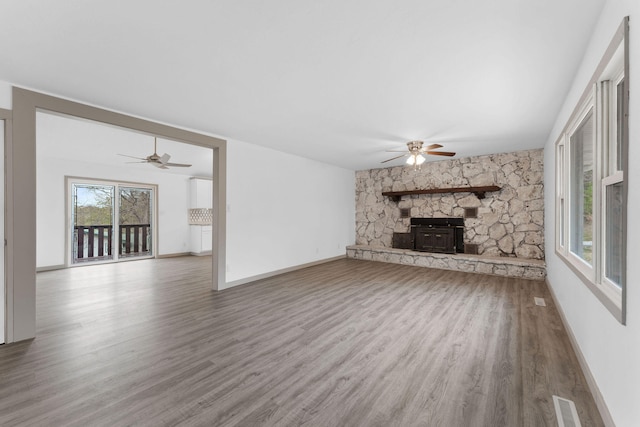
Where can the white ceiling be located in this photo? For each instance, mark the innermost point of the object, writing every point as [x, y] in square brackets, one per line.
[337, 81]
[86, 141]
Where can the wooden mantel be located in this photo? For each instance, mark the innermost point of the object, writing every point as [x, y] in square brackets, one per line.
[478, 191]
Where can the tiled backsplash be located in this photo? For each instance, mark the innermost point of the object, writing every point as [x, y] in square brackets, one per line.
[200, 216]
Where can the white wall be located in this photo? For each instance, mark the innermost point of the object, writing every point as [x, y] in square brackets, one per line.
[611, 350]
[284, 210]
[173, 193]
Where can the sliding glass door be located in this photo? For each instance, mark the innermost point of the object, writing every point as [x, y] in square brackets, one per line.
[97, 207]
[135, 213]
[92, 212]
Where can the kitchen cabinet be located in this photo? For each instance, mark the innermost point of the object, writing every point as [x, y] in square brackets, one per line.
[201, 239]
[200, 193]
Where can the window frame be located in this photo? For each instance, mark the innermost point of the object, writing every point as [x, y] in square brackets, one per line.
[612, 289]
[587, 108]
[601, 97]
[561, 205]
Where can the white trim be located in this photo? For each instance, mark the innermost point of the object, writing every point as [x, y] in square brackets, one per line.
[51, 268]
[63, 266]
[587, 108]
[561, 202]
[203, 253]
[173, 255]
[612, 290]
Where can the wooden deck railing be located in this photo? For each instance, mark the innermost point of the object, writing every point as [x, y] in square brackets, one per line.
[94, 242]
[134, 239]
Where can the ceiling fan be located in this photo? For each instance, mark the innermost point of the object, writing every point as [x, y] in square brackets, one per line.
[417, 152]
[161, 162]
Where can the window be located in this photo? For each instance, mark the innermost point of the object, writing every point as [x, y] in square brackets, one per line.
[560, 201]
[590, 186]
[581, 189]
[613, 234]
[612, 184]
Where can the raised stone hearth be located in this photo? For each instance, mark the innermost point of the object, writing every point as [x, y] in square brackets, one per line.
[498, 266]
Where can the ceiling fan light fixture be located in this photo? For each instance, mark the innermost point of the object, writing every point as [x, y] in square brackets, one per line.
[415, 159]
[417, 153]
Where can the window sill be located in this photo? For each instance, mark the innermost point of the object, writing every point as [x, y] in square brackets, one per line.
[614, 307]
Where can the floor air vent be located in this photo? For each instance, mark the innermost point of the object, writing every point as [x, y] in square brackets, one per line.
[539, 301]
[566, 412]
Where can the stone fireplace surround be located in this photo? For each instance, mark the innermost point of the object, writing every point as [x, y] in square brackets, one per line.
[509, 227]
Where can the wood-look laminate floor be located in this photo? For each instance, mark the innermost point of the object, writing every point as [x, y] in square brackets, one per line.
[347, 343]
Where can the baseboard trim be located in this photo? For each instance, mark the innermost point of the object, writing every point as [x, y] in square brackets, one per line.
[281, 271]
[62, 266]
[50, 268]
[591, 381]
[174, 255]
[203, 253]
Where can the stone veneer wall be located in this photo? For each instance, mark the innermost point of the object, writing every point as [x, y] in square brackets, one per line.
[510, 222]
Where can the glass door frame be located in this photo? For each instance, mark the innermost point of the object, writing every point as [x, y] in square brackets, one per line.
[133, 240]
[74, 245]
[115, 235]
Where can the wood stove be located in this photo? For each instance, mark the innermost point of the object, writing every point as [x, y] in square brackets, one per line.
[443, 235]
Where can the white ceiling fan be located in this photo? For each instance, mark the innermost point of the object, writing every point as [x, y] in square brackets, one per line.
[417, 152]
[161, 162]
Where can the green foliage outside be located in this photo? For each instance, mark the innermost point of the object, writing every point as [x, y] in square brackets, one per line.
[588, 194]
[135, 206]
[588, 216]
[94, 205]
[93, 215]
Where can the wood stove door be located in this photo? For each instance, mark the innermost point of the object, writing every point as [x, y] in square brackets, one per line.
[435, 240]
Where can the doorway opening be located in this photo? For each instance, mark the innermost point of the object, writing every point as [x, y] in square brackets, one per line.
[21, 289]
[110, 221]
[95, 204]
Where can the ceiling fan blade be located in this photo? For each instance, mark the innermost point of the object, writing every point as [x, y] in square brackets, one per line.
[432, 146]
[395, 151]
[164, 159]
[441, 153]
[161, 162]
[133, 157]
[393, 158]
